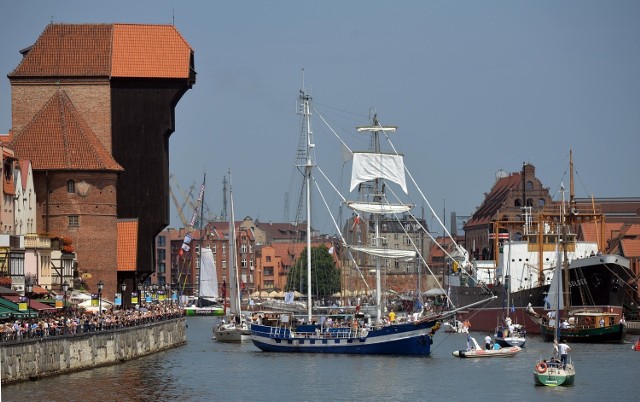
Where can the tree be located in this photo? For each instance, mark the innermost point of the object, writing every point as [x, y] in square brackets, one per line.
[325, 276]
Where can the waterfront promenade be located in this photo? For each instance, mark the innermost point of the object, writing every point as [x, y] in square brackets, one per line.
[83, 322]
[38, 348]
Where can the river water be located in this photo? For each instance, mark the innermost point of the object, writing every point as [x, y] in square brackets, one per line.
[204, 370]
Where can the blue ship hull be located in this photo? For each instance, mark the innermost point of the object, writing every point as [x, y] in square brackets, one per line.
[399, 339]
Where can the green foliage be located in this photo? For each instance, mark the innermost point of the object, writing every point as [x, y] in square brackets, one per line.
[325, 276]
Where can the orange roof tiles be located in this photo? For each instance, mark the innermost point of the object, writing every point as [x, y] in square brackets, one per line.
[107, 50]
[127, 244]
[64, 50]
[591, 231]
[59, 139]
[631, 247]
[149, 51]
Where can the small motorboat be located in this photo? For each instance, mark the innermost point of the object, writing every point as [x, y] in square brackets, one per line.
[476, 351]
[636, 346]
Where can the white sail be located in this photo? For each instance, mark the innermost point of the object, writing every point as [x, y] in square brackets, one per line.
[370, 166]
[208, 276]
[386, 252]
[378, 208]
[554, 300]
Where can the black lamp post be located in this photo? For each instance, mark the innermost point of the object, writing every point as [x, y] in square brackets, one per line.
[28, 288]
[100, 287]
[123, 287]
[65, 288]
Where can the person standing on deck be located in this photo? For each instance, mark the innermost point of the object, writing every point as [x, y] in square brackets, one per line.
[563, 350]
[487, 342]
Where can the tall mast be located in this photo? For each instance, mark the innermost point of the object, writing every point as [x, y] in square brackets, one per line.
[378, 196]
[305, 101]
[235, 305]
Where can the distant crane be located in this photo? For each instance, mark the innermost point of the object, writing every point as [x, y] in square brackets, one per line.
[189, 202]
[179, 207]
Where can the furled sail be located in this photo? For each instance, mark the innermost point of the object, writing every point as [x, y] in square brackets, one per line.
[369, 166]
[378, 208]
[386, 252]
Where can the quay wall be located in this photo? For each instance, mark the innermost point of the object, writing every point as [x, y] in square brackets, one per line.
[41, 357]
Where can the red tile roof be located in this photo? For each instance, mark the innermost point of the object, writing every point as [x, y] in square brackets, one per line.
[630, 247]
[107, 50]
[590, 231]
[59, 139]
[149, 51]
[127, 244]
[495, 199]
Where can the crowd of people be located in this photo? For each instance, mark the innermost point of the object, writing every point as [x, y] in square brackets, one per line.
[77, 322]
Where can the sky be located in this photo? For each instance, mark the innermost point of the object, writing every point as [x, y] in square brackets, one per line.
[473, 86]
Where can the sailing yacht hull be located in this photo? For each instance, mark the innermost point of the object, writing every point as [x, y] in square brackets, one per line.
[232, 333]
[399, 339]
[610, 334]
[552, 375]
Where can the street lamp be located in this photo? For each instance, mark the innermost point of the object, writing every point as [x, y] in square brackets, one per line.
[100, 287]
[65, 288]
[28, 288]
[123, 287]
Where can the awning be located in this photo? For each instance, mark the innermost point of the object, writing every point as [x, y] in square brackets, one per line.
[34, 304]
[39, 290]
[15, 312]
[5, 312]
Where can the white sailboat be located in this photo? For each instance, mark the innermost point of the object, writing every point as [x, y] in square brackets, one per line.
[236, 329]
[552, 372]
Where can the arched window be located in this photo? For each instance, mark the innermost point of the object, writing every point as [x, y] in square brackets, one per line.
[517, 202]
[517, 236]
[529, 202]
[529, 185]
[71, 186]
[541, 202]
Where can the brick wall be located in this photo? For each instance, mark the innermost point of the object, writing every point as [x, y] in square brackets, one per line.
[94, 202]
[92, 99]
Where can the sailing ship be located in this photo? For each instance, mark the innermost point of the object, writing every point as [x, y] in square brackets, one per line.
[208, 288]
[205, 304]
[357, 336]
[553, 372]
[526, 247]
[580, 325]
[237, 328]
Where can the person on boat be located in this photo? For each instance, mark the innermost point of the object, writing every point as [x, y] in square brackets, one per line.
[602, 322]
[392, 316]
[563, 350]
[496, 346]
[469, 341]
[487, 342]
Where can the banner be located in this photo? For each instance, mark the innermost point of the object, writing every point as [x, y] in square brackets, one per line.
[117, 300]
[94, 301]
[134, 297]
[23, 304]
[59, 302]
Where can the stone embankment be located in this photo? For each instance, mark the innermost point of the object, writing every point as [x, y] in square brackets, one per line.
[31, 359]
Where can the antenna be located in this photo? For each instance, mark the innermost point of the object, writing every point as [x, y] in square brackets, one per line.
[173, 16]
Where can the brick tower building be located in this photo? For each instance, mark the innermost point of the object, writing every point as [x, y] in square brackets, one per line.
[93, 107]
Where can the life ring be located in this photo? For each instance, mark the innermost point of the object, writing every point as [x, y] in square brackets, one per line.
[588, 321]
[541, 367]
[363, 333]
